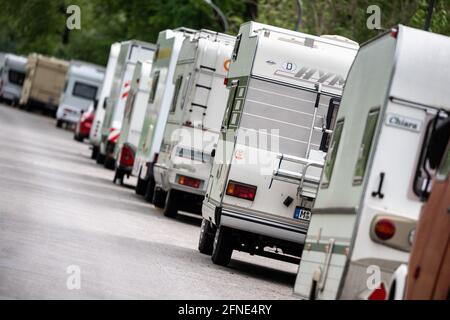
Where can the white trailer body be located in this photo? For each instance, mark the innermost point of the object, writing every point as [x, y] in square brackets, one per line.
[198, 103]
[163, 68]
[82, 88]
[95, 134]
[366, 209]
[130, 52]
[285, 89]
[133, 119]
[12, 76]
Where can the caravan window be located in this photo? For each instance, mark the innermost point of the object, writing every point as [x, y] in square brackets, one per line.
[154, 86]
[366, 145]
[236, 47]
[16, 77]
[192, 154]
[176, 93]
[85, 91]
[331, 158]
[330, 121]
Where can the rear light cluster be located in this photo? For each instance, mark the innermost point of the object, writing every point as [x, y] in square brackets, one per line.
[384, 229]
[189, 182]
[241, 190]
[127, 156]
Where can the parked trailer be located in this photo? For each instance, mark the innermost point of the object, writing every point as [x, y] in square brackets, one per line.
[12, 76]
[80, 91]
[285, 88]
[198, 103]
[130, 52]
[376, 172]
[169, 44]
[44, 82]
[133, 119]
[95, 133]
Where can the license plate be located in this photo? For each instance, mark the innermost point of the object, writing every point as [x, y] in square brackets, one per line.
[302, 214]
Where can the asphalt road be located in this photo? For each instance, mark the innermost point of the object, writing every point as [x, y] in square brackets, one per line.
[67, 232]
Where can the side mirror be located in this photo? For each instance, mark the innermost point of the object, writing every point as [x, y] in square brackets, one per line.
[213, 153]
[95, 104]
[105, 103]
[438, 143]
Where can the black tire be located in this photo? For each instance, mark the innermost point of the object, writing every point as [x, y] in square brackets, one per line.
[119, 175]
[171, 204]
[77, 138]
[150, 190]
[222, 246]
[94, 153]
[140, 186]
[100, 158]
[206, 239]
[110, 163]
[59, 123]
[159, 198]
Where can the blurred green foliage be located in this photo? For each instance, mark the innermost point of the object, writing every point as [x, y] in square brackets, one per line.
[40, 25]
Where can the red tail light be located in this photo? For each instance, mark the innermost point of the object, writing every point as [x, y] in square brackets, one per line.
[384, 229]
[241, 190]
[127, 156]
[394, 33]
[225, 81]
[379, 293]
[190, 182]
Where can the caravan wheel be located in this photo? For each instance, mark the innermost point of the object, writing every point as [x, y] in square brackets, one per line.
[171, 205]
[140, 186]
[150, 190]
[94, 153]
[100, 158]
[223, 246]
[206, 239]
[159, 198]
[119, 175]
[59, 123]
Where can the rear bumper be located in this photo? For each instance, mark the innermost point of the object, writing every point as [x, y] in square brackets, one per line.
[68, 114]
[255, 223]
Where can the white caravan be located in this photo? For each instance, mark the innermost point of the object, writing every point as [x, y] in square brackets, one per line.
[130, 52]
[377, 170]
[82, 88]
[285, 89]
[193, 125]
[169, 45]
[12, 76]
[95, 133]
[133, 119]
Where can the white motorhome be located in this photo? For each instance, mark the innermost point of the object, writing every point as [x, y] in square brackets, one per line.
[130, 52]
[133, 119]
[169, 45]
[82, 88]
[193, 125]
[95, 133]
[377, 169]
[285, 89]
[12, 76]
